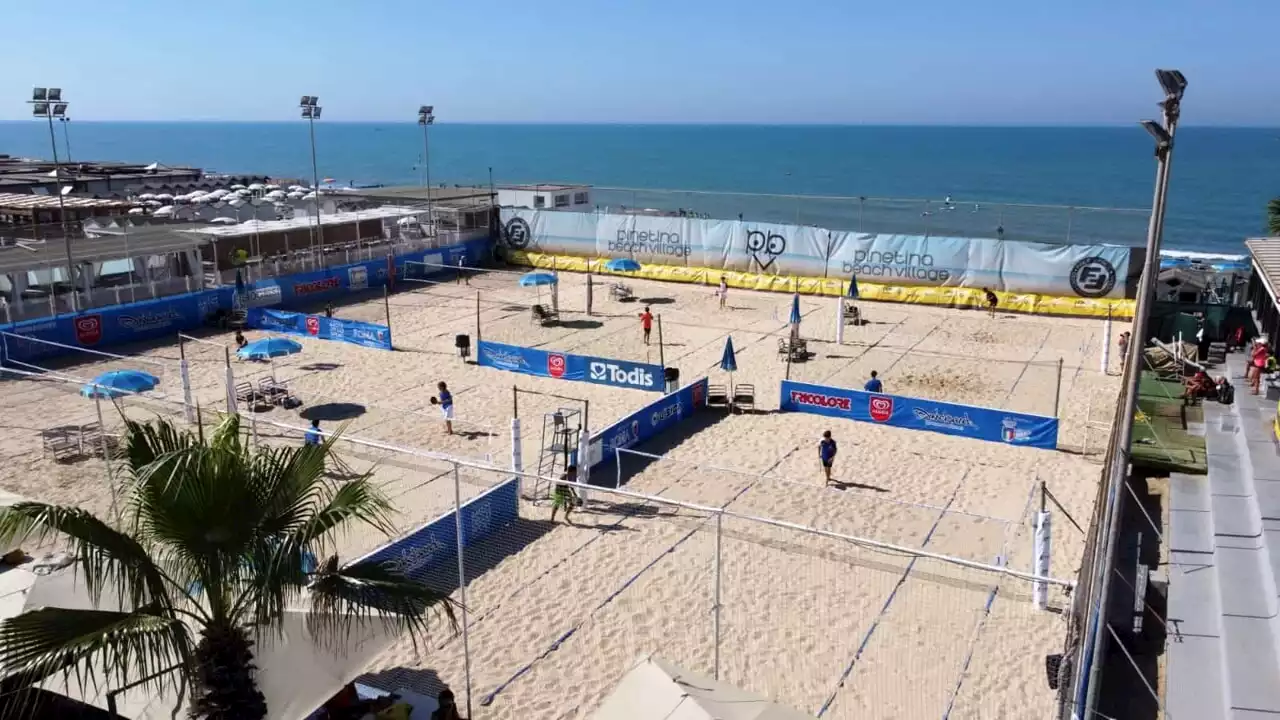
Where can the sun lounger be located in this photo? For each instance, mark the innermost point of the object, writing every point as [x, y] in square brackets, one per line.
[544, 316]
[744, 397]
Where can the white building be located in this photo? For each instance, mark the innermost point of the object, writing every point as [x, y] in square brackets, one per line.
[546, 197]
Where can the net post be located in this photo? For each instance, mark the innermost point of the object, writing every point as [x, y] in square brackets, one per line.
[719, 534]
[386, 306]
[1057, 391]
[1106, 343]
[840, 321]
[462, 582]
[231, 382]
[589, 288]
[1041, 547]
[662, 355]
[477, 325]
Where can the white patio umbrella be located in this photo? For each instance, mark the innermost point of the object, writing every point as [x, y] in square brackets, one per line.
[256, 187]
[656, 689]
[164, 197]
[147, 196]
[237, 187]
[297, 671]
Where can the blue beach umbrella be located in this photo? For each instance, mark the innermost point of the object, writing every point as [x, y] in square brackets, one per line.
[119, 382]
[729, 361]
[271, 347]
[537, 279]
[795, 316]
[622, 265]
[853, 287]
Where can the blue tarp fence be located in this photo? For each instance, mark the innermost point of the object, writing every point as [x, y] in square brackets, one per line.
[566, 366]
[433, 547]
[319, 326]
[104, 327]
[970, 421]
[645, 424]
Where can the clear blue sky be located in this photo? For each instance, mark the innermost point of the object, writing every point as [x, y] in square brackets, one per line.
[807, 61]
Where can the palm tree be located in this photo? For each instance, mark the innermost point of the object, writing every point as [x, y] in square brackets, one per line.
[215, 541]
[1273, 217]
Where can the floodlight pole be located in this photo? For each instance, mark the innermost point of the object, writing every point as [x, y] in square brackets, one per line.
[1174, 84]
[48, 103]
[427, 118]
[66, 136]
[311, 112]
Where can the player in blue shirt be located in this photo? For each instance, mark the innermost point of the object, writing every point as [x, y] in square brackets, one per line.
[313, 435]
[827, 454]
[873, 385]
[445, 401]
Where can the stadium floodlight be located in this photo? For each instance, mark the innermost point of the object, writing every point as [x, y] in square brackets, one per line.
[427, 118]
[47, 103]
[310, 105]
[1173, 83]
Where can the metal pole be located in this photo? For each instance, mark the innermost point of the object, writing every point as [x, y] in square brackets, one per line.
[477, 326]
[62, 215]
[1057, 390]
[315, 178]
[102, 441]
[66, 138]
[1133, 362]
[662, 356]
[719, 533]
[386, 305]
[515, 401]
[426, 162]
[462, 583]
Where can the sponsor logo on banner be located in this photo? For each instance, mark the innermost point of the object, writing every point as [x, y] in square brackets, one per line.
[313, 325]
[765, 247]
[517, 234]
[665, 413]
[880, 408]
[337, 329]
[610, 373]
[505, 359]
[417, 556]
[555, 365]
[317, 286]
[626, 436]
[698, 395]
[1093, 277]
[1011, 433]
[88, 329]
[207, 305]
[654, 242]
[894, 265]
[149, 320]
[800, 397]
[358, 277]
[937, 417]
[263, 296]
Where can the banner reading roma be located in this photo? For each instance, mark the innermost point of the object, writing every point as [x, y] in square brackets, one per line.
[1088, 271]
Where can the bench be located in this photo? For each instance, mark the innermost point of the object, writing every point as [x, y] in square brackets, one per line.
[717, 396]
[621, 293]
[544, 316]
[794, 350]
[276, 392]
[744, 396]
[63, 443]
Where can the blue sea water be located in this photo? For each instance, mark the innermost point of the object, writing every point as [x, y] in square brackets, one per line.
[1222, 177]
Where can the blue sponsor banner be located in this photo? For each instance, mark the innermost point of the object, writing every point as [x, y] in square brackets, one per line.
[971, 421]
[565, 366]
[646, 423]
[149, 319]
[318, 326]
[433, 546]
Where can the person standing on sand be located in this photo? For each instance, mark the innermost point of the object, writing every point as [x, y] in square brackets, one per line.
[328, 310]
[827, 455]
[445, 401]
[646, 323]
[563, 496]
[313, 435]
[874, 385]
[992, 301]
[1123, 342]
[723, 292]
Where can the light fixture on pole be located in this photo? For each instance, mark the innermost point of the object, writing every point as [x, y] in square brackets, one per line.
[427, 118]
[310, 105]
[66, 136]
[1174, 85]
[47, 103]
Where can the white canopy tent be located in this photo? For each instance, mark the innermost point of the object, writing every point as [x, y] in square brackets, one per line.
[297, 672]
[655, 689]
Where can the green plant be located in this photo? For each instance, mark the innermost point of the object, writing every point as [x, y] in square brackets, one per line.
[215, 540]
[1273, 217]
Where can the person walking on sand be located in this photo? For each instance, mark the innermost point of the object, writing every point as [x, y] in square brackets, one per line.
[723, 292]
[445, 401]
[1123, 342]
[992, 301]
[563, 496]
[646, 323]
[827, 455]
[313, 436]
[874, 385]
[1258, 360]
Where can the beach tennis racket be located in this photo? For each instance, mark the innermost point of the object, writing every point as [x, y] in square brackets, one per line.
[434, 401]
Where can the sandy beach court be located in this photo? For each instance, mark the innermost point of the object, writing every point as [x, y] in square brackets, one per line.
[559, 612]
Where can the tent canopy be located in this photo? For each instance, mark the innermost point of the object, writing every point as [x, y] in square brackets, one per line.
[655, 689]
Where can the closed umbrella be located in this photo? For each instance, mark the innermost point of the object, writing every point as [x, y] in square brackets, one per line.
[271, 347]
[116, 383]
[622, 265]
[853, 287]
[795, 317]
[729, 362]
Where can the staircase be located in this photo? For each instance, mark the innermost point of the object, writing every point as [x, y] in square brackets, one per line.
[1224, 559]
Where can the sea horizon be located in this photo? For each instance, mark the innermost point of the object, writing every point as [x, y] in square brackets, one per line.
[1220, 180]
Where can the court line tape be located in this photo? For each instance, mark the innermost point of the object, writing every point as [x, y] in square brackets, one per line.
[555, 645]
[1025, 366]
[866, 639]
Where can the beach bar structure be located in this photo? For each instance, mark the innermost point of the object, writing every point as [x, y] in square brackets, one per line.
[1264, 283]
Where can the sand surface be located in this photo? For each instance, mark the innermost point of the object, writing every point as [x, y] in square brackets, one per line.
[557, 613]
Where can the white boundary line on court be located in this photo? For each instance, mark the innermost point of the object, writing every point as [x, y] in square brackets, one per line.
[747, 473]
[853, 539]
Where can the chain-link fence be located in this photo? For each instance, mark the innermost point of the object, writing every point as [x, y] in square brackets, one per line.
[948, 217]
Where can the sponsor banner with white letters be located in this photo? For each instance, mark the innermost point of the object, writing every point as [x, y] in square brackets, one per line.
[1088, 271]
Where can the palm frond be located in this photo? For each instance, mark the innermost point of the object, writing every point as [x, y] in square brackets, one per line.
[96, 646]
[364, 591]
[1273, 216]
[107, 557]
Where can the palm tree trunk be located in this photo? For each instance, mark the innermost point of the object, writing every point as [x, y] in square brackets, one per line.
[224, 687]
